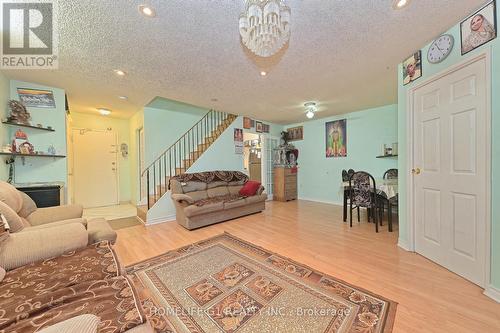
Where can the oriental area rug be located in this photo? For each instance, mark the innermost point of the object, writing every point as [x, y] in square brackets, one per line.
[225, 284]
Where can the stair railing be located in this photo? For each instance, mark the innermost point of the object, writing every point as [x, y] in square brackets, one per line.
[173, 160]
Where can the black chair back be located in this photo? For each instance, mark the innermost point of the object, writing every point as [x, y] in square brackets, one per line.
[391, 174]
[363, 190]
[345, 176]
[350, 173]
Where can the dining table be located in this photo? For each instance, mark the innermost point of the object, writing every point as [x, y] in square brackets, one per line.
[387, 188]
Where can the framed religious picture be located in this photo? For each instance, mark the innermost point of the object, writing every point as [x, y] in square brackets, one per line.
[479, 28]
[265, 128]
[412, 68]
[258, 127]
[36, 98]
[296, 133]
[238, 140]
[247, 123]
[336, 138]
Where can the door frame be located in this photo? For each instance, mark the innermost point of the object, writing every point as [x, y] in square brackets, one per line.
[117, 178]
[410, 200]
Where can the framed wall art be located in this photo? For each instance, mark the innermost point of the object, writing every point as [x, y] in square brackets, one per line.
[295, 133]
[479, 28]
[412, 68]
[336, 138]
[36, 98]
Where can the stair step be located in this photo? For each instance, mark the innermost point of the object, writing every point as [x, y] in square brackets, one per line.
[179, 171]
[188, 162]
[195, 155]
[142, 211]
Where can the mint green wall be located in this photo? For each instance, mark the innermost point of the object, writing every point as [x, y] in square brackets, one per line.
[121, 128]
[319, 177]
[163, 127]
[404, 170]
[43, 169]
[4, 130]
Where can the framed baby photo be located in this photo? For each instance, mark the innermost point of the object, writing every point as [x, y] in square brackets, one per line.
[479, 28]
[412, 68]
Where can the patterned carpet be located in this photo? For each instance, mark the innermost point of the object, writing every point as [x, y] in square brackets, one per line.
[225, 284]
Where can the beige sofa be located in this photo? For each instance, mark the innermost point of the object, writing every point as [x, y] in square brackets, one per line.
[206, 198]
[39, 233]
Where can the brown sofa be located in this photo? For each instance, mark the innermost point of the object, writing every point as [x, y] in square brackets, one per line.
[82, 291]
[210, 197]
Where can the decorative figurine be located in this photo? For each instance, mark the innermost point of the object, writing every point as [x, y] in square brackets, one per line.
[18, 113]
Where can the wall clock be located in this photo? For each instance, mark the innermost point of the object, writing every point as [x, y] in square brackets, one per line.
[440, 49]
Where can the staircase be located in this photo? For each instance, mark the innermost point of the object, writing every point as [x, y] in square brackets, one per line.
[182, 154]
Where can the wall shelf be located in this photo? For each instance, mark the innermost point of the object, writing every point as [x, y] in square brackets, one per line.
[32, 155]
[28, 126]
[387, 156]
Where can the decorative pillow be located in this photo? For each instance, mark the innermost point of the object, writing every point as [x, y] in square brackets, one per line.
[28, 207]
[2, 273]
[14, 221]
[250, 188]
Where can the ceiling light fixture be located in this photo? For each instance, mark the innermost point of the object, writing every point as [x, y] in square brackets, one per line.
[123, 98]
[399, 4]
[119, 72]
[310, 109]
[265, 26]
[104, 112]
[263, 73]
[147, 11]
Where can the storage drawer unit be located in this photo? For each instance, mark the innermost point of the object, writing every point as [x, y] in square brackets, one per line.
[285, 184]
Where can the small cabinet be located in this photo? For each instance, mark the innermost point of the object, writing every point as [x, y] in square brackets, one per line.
[285, 183]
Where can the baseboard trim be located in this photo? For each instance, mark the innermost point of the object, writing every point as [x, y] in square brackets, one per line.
[162, 219]
[493, 293]
[404, 245]
[322, 201]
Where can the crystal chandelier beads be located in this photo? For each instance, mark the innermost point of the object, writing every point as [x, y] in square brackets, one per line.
[265, 26]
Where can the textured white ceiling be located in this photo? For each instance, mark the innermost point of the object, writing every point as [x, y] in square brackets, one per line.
[342, 54]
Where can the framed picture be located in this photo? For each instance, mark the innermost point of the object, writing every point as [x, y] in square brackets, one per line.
[295, 133]
[247, 123]
[238, 140]
[265, 128]
[336, 138]
[258, 127]
[36, 98]
[479, 28]
[412, 68]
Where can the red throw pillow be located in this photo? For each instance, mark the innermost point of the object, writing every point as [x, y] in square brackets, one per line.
[250, 188]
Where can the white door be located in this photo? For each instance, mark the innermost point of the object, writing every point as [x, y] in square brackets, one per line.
[95, 168]
[450, 149]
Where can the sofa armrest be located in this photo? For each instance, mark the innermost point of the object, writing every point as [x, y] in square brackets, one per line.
[87, 323]
[53, 224]
[183, 198]
[25, 247]
[260, 190]
[57, 213]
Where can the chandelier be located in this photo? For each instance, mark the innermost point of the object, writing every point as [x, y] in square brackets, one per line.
[265, 26]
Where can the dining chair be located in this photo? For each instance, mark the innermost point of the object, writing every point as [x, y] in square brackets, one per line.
[363, 194]
[345, 178]
[392, 202]
[391, 174]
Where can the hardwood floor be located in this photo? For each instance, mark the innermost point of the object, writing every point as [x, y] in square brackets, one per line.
[431, 299]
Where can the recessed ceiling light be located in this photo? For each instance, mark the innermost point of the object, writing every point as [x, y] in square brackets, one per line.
[104, 112]
[263, 73]
[399, 4]
[147, 11]
[119, 72]
[124, 98]
[214, 100]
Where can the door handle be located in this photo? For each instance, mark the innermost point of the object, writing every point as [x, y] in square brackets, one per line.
[415, 171]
